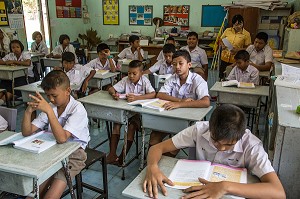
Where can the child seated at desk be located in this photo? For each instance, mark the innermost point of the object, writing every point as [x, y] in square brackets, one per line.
[134, 52]
[38, 46]
[222, 140]
[3, 124]
[198, 55]
[183, 89]
[66, 118]
[169, 40]
[244, 71]
[163, 66]
[20, 58]
[136, 87]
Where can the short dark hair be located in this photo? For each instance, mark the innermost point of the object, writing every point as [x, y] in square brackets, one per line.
[135, 64]
[237, 18]
[183, 53]
[170, 39]
[243, 55]
[63, 37]
[133, 38]
[15, 41]
[227, 122]
[169, 48]
[35, 34]
[190, 34]
[68, 56]
[262, 36]
[55, 79]
[102, 46]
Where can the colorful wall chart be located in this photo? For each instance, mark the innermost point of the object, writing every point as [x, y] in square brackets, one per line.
[176, 15]
[68, 8]
[110, 12]
[140, 15]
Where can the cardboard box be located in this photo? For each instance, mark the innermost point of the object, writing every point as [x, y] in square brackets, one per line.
[263, 26]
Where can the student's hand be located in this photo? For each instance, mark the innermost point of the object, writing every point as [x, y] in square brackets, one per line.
[138, 48]
[131, 97]
[171, 105]
[234, 51]
[212, 190]
[154, 178]
[39, 103]
[49, 55]
[84, 86]
[115, 96]
[10, 62]
[187, 100]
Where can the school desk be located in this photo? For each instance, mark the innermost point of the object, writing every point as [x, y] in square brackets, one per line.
[166, 164]
[102, 80]
[51, 62]
[22, 172]
[125, 63]
[35, 57]
[93, 54]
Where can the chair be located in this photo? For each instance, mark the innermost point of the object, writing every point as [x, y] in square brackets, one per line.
[10, 115]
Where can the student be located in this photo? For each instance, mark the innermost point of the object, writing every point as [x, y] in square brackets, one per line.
[198, 55]
[4, 43]
[244, 71]
[3, 124]
[20, 58]
[169, 40]
[136, 87]
[78, 74]
[104, 61]
[134, 52]
[261, 55]
[183, 89]
[66, 118]
[38, 45]
[223, 140]
[163, 66]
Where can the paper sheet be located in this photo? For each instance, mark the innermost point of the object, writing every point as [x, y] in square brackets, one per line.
[227, 43]
[288, 70]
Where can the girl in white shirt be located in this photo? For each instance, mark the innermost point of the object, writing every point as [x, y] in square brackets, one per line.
[38, 45]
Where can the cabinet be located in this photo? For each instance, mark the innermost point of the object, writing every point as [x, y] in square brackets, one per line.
[291, 40]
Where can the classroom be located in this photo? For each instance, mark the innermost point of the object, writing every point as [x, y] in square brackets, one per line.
[149, 99]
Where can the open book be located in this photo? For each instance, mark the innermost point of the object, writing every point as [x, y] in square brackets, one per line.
[35, 143]
[238, 84]
[186, 173]
[102, 72]
[290, 77]
[156, 104]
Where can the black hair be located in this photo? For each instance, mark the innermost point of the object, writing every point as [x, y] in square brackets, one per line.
[243, 55]
[35, 34]
[55, 79]
[68, 56]
[262, 36]
[102, 46]
[170, 39]
[237, 18]
[227, 122]
[183, 53]
[133, 38]
[15, 41]
[63, 37]
[190, 34]
[169, 48]
[135, 64]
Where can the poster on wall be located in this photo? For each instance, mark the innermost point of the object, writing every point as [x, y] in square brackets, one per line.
[3, 14]
[68, 8]
[15, 16]
[110, 12]
[176, 15]
[140, 15]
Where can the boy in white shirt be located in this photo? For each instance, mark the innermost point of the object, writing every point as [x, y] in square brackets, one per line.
[169, 40]
[3, 124]
[134, 52]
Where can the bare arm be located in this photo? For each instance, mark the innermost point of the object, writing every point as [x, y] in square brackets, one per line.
[113, 93]
[23, 63]
[27, 127]
[87, 79]
[131, 97]
[140, 57]
[265, 67]
[205, 68]
[165, 96]
[2, 62]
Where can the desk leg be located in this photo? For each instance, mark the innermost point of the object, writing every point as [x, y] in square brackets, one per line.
[68, 177]
[13, 88]
[125, 146]
[142, 150]
[36, 189]
[257, 110]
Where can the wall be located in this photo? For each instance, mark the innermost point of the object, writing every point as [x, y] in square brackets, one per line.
[296, 5]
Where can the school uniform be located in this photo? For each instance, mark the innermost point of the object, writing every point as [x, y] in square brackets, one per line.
[142, 87]
[58, 50]
[198, 56]
[248, 152]
[162, 67]
[78, 74]
[5, 49]
[251, 74]
[39, 48]
[127, 54]
[97, 65]
[261, 57]
[3, 124]
[160, 56]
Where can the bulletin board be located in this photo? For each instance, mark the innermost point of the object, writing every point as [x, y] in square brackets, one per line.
[212, 15]
[3, 14]
[140, 15]
[110, 12]
[176, 15]
[68, 8]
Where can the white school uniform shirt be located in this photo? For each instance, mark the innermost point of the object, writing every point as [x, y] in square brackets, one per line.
[74, 119]
[162, 67]
[160, 56]
[198, 56]
[78, 74]
[248, 152]
[261, 57]
[24, 56]
[142, 87]
[97, 65]
[195, 87]
[58, 50]
[127, 54]
[39, 48]
[251, 74]
[3, 124]
[6, 42]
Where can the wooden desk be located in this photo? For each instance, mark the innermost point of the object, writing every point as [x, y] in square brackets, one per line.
[99, 80]
[22, 172]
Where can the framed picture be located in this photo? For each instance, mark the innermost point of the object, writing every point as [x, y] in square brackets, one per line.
[110, 12]
[68, 9]
[3, 14]
[176, 15]
[140, 15]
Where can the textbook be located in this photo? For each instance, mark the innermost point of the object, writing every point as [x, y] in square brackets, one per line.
[102, 72]
[156, 104]
[35, 143]
[238, 84]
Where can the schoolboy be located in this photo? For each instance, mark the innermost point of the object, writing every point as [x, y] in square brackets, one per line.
[3, 124]
[66, 118]
[223, 140]
[169, 40]
[198, 55]
[136, 87]
[163, 66]
[79, 75]
[183, 89]
[261, 54]
[243, 71]
[134, 52]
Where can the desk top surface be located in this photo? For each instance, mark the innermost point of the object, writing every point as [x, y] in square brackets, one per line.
[1, 90]
[258, 90]
[105, 76]
[30, 164]
[36, 86]
[95, 52]
[12, 68]
[35, 54]
[51, 59]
